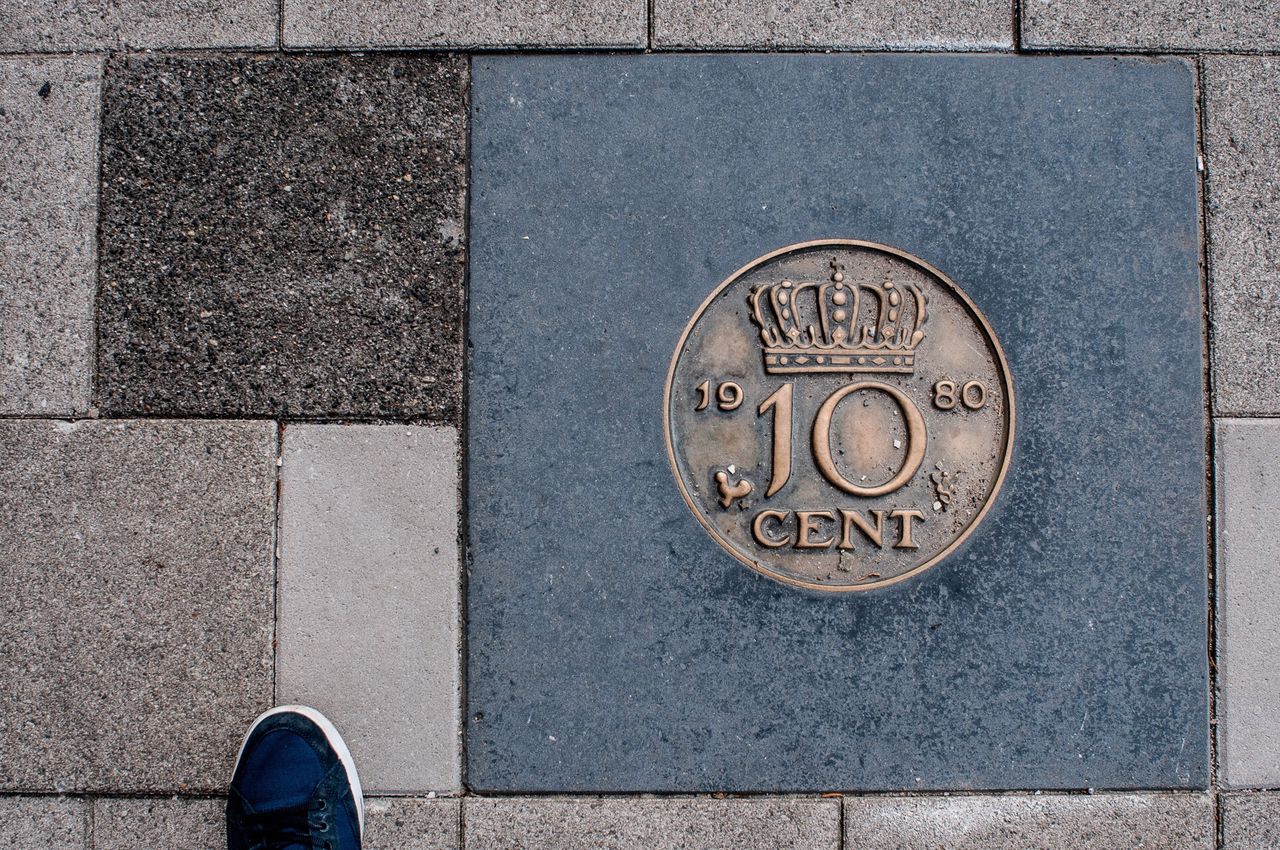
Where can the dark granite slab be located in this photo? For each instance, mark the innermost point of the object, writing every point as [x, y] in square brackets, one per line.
[613, 646]
[282, 236]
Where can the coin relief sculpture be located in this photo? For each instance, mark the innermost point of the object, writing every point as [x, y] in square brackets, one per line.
[839, 415]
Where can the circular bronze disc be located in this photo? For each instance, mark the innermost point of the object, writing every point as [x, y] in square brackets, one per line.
[839, 415]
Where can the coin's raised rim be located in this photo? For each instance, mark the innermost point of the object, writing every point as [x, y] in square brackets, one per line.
[1010, 415]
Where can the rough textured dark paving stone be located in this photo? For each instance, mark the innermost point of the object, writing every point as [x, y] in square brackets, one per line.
[1044, 822]
[44, 823]
[541, 823]
[614, 646]
[135, 624]
[465, 23]
[1251, 821]
[48, 196]
[1151, 24]
[106, 24]
[282, 236]
[1242, 149]
[947, 25]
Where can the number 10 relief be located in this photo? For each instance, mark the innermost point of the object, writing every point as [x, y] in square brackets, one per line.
[839, 415]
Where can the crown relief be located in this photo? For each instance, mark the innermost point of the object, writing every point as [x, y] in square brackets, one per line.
[837, 326]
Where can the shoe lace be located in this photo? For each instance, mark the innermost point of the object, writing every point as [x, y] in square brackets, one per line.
[289, 827]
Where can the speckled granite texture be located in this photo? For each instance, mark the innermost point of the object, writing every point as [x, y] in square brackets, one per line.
[282, 236]
[48, 217]
[1242, 150]
[468, 23]
[870, 24]
[135, 626]
[1160, 25]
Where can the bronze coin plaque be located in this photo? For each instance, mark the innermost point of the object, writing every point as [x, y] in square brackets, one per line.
[839, 415]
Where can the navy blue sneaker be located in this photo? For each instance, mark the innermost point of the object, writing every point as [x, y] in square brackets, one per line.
[295, 786]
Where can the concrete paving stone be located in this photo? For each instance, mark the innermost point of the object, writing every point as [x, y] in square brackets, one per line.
[164, 823]
[48, 216]
[1017, 822]
[135, 625]
[369, 594]
[549, 823]
[1164, 25]
[1242, 150]
[929, 25]
[408, 823]
[44, 823]
[611, 641]
[465, 23]
[391, 823]
[1250, 821]
[1248, 493]
[283, 235]
[39, 25]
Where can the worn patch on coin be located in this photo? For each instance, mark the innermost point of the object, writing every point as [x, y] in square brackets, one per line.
[839, 415]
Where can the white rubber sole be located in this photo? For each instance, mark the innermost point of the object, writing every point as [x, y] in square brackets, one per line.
[331, 735]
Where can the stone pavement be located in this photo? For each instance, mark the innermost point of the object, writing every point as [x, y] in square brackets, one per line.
[236, 420]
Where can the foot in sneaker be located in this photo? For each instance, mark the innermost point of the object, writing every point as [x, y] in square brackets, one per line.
[295, 786]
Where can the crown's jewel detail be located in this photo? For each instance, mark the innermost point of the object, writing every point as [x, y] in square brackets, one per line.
[836, 326]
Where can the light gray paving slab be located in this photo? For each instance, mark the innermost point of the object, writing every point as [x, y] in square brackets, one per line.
[48, 217]
[1164, 25]
[39, 25]
[465, 23]
[869, 24]
[1250, 821]
[550, 823]
[1248, 494]
[1016, 822]
[135, 622]
[44, 823]
[1242, 150]
[165, 823]
[369, 594]
[409, 823]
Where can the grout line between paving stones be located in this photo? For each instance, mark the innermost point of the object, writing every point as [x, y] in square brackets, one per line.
[464, 431]
[99, 243]
[99, 111]
[1211, 439]
[627, 49]
[639, 49]
[1211, 475]
[462, 826]
[275, 567]
[1017, 26]
[1219, 831]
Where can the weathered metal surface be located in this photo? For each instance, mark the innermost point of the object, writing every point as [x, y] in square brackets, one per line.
[839, 415]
